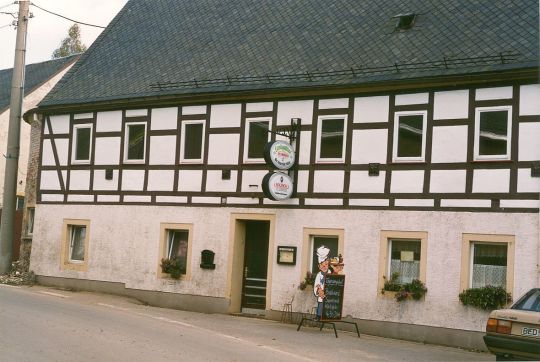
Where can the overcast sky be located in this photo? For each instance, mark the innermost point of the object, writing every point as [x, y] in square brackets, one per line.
[46, 31]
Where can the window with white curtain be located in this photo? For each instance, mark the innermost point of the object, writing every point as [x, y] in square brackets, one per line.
[488, 264]
[404, 259]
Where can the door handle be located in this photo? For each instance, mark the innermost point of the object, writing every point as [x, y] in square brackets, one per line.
[245, 272]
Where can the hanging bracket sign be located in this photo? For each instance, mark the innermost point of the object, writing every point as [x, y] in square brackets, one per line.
[279, 154]
[277, 186]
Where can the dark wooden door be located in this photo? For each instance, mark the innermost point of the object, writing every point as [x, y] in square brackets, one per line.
[255, 264]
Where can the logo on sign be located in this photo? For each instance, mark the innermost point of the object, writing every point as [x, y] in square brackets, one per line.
[277, 186]
[280, 154]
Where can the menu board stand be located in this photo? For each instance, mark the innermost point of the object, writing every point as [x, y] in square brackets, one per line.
[334, 286]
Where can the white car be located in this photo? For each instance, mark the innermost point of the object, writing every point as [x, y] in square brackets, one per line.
[514, 333]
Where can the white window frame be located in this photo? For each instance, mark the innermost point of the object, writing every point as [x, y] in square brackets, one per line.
[74, 146]
[318, 157]
[389, 260]
[30, 215]
[183, 140]
[471, 258]
[71, 241]
[397, 115]
[126, 142]
[478, 111]
[246, 138]
[467, 257]
[164, 245]
[66, 261]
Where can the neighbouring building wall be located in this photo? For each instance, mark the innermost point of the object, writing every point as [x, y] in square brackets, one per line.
[124, 246]
[30, 101]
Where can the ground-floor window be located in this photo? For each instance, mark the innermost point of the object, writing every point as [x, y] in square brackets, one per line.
[402, 258]
[487, 260]
[314, 238]
[175, 250]
[75, 244]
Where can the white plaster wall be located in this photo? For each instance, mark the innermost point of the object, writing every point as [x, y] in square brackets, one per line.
[189, 180]
[101, 184]
[132, 180]
[447, 181]
[62, 148]
[528, 100]
[294, 109]
[260, 107]
[251, 181]
[484, 94]
[164, 118]
[371, 109]
[47, 157]
[160, 180]
[302, 181]
[529, 141]
[328, 181]
[491, 180]
[407, 181]
[107, 151]
[527, 183]
[136, 112]
[334, 103]
[361, 182]
[60, 124]
[79, 180]
[449, 144]
[414, 98]
[191, 110]
[49, 180]
[110, 121]
[162, 150]
[369, 146]
[215, 183]
[451, 104]
[223, 149]
[225, 115]
[124, 245]
[303, 156]
[83, 115]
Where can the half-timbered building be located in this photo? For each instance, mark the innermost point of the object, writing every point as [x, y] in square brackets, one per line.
[417, 146]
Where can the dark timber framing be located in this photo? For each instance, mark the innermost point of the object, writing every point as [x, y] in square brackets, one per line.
[469, 166]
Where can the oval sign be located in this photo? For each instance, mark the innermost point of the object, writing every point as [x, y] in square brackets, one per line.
[280, 154]
[277, 186]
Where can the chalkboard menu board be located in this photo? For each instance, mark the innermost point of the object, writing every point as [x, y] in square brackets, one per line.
[333, 302]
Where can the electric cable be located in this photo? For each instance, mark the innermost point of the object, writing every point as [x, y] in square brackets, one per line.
[5, 26]
[5, 6]
[65, 17]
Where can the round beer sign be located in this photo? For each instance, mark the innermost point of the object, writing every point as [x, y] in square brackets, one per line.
[277, 186]
[280, 154]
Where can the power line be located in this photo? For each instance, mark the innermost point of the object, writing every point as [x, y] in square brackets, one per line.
[5, 26]
[65, 17]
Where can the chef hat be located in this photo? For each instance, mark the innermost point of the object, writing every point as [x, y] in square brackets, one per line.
[322, 253]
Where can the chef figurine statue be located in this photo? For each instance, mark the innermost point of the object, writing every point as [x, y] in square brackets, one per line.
[318, 285]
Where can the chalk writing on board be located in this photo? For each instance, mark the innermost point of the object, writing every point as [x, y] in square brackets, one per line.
[333, 302]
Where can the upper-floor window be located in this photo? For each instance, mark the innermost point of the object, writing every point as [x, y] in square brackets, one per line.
[331, 132]
[82, 143]
[257, 136]
[135, 142]
[192, 142]
[493, 132]
[409, 136]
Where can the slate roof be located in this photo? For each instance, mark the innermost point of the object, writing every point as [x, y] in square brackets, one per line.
[35, 75]
[181, 47]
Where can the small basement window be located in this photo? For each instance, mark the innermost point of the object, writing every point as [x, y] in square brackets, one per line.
[405, 21]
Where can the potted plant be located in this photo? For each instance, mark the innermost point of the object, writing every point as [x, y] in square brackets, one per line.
[309, 279]
[488, 297]
[413, 290]
[175, 267]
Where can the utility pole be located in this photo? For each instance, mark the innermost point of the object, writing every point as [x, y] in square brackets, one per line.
[14, 130]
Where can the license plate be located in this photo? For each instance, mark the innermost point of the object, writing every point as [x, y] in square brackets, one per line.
[530, 332]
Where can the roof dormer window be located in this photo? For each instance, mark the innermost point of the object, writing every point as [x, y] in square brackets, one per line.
[405, 21]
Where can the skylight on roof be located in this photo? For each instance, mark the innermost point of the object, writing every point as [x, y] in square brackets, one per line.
[405, 21]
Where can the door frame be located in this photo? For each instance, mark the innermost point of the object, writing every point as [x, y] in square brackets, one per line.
[235, 262]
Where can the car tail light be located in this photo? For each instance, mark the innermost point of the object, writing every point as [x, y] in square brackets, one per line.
[498, 326]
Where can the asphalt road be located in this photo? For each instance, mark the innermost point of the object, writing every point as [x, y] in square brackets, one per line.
[44, 324]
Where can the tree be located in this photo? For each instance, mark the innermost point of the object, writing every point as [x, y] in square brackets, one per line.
[71, 44]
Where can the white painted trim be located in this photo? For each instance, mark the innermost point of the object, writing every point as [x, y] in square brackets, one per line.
[477, 113]
[246, 138]
[183, 139]
[126, 142]
[395, 157]
[74, 144]
[318, 158]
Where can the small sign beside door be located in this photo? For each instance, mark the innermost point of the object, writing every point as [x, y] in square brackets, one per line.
[286, 255]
